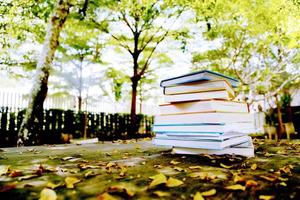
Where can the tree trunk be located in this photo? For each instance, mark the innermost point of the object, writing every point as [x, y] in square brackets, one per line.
[79, 103]
[279, 117]
[31, 127]
[133, 125]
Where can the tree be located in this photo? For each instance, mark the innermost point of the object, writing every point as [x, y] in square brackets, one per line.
[31, 125]
[260, 48]
[142, 26]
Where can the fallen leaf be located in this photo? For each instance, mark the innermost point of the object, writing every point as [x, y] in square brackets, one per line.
[15, 173]
[209, 193]
[105, 196]
[157, 180]
[123, 171]
[67, 158]
[195, 167]
[283, 184]
[162, 194]
[48, 194]
[21, 178]
[89, 174]
[179, 169]
[158, 166]
[198, 196]
[238, 179]
[172, 182]
[251, 183]
[236, 187]
[268, 178]
[70, 181]
[283, 179]
[254, 166]
[124, 189]
[226, 166]
[174, 162]
[266, 197]
[4, 169]
[8, 187]
[110, 164]
[203, 175]
[53, 185]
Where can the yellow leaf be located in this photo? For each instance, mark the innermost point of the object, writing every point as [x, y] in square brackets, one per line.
[174, 162]
[122, 189]
[254, 166]
[179, 169]
[283, 179]
[110, 164]
[48, 194]
[52, 185]
[225, 166]
[162, 194]
[238, 179]
[198, 196]
[251, 183]
[236, 187]
[4, 169]
[209, 193]
[157, 180]
[283, 184]
[89, 174]
[173, 182]
[266, 197]
[105, 196]
[70, 181]
[195, 167]
[268, 178]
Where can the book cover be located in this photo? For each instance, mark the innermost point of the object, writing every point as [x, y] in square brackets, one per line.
[197, 76]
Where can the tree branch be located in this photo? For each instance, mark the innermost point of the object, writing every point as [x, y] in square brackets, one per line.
[125, 46]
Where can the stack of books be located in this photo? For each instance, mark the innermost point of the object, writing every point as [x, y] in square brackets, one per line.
[201, 117]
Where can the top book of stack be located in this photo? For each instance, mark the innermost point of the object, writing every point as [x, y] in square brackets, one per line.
[204, 75]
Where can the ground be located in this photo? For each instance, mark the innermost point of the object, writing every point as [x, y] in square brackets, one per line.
[139, 170]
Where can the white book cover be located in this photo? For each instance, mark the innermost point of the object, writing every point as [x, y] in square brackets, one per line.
[211, 105]
[230, 127]
[222, 94]
[205, 144]
[199, 86]
[196, 118]
[197, 137]
[245, 149]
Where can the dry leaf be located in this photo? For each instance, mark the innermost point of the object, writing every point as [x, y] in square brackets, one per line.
[283, 184]
[268, 178]
[67, 158]
[15, 173]
[172, 182]
[198, 196]
[48, 194]
[158, 166]
[105, 196]
[179, 169]
[236, 187]
[89, 174]
[124, 189]
[266, 197]
[238, 179]
[174, 162]
[203, 175]
[162, 194]
[254, 166]
[195, 167]
[283, 179]
[251, 183]
[70, 181]
[110, 164]
[21, 178]
[225, 166]
[209, 193]
[4, 169]
[53, 185]
[7, 187]
[123, 171]
[157, 180]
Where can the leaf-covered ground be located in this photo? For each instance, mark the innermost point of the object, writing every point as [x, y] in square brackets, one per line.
[139, 170]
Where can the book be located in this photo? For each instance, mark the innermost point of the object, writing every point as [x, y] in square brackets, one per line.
[221, 94]
[196, 118]
[199, 86]
[198, 76]
[211, 105]
[229, 127]
[245, 149]
[205, 144]
[204, 136]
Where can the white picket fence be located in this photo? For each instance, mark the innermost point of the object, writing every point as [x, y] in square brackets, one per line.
[16, 100]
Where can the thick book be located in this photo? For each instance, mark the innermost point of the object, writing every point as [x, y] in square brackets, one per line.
[205, 144]
[211, 105]
[198, 76]
[245, 149]
[230, 127]
[200, 118]
[221, 94]
[197, 136]
[200, 86]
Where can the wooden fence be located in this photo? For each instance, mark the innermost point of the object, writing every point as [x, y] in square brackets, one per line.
[59, 122]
